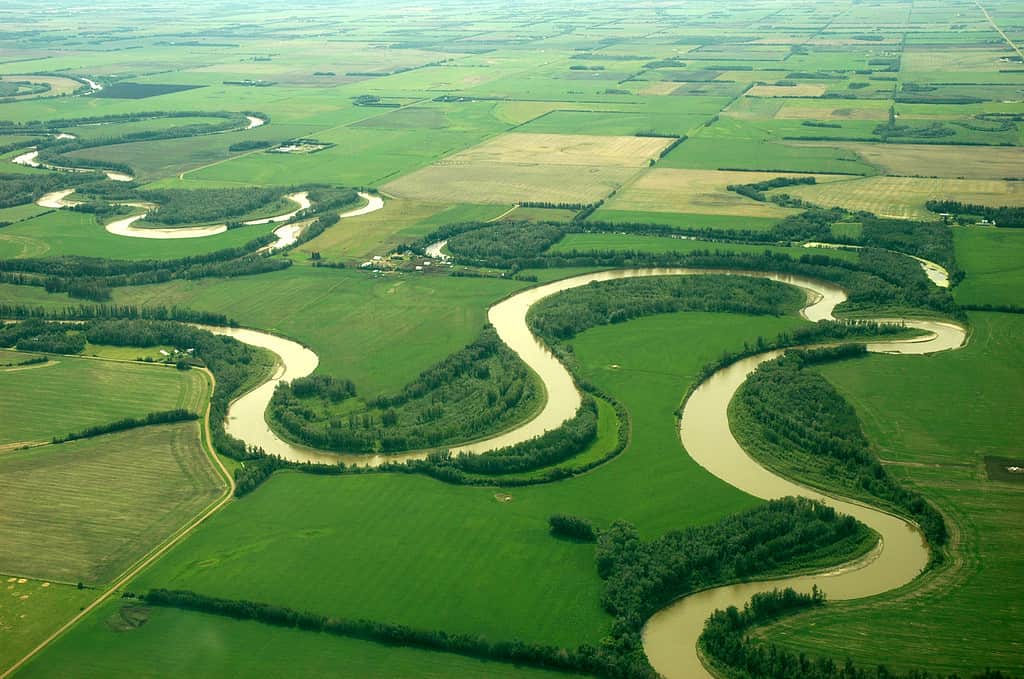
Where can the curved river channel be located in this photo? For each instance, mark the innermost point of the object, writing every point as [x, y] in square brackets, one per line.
[670, 636]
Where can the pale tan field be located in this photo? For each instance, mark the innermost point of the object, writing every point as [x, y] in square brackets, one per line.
[659, 88]
[968, 162]
[805, 90]
[960, 59]
[794, 110]
[58, 85]
[562, 149]
[904, 197]
[506, 183]
[699, 191]
[558, 168]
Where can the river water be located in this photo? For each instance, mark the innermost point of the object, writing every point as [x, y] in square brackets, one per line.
[670, 636]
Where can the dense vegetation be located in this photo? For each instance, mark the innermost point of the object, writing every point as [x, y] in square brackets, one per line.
[795, 420]
[726, 644]
[565, 315]
[161, 417]
[18, 189]
[928, 240]
[644, 576]
[505, 240]
[475, 391]
[91, 277]
[39, 335]
[196, 206]
[572, 527]
[1000, 216]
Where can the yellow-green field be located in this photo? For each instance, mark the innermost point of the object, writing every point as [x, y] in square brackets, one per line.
[930, 160]
[557, 168]
[699, 191]
[904, 197]
[68, 394]
[84, 511]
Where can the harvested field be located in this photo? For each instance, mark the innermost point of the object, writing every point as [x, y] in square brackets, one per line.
[904, 197]
[659, 88]
[795, 110]
[85, 510]
[559, 168]
[968, 162]
[563, 149]
[506, 183]
[804, 90]
[699, 191]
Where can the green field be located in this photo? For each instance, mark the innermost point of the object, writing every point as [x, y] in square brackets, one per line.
[937, 445]
[254, 548]
[172, 642]
[63, 232]
[48, 397]
[33, 609]
[84, 511]
[992, 260]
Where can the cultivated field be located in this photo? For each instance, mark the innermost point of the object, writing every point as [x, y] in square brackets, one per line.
[783, 91]
[47, 398]
[930, 160]
[697, 191]
[904, 197]
[557, 168]
[84, 511]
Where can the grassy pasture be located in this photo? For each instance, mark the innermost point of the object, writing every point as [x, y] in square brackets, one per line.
[48, 398]
[993, 260]
[698, 192]
[196, 645]
[704, 153]
[85, 510]
[904, 197]
[937, 445]
[31, 610]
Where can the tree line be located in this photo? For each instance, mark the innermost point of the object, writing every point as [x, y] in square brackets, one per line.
[1012, 217]
[566, 314]
[479, 389]
[756, 190]
[93, 277]
[159, 417]
[586, 658]
[794, 417]
[726, 642]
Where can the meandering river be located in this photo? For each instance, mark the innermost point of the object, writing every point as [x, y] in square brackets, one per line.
[670, 636]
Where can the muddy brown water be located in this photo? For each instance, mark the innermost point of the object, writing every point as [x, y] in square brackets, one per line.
[670, 636]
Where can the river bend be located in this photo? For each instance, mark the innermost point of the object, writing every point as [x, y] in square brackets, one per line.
[670, 636]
